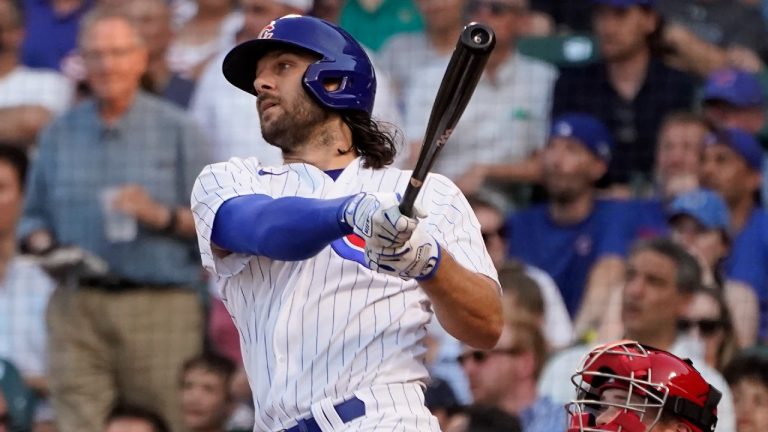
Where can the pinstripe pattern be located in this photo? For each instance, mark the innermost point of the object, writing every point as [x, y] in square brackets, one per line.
[327, 327]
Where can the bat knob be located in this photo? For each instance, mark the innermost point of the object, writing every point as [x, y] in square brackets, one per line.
[478, 37]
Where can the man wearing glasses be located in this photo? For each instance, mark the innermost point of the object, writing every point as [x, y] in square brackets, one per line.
[505, 377]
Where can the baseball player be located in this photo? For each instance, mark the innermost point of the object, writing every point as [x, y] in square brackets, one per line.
[628, 387]
[330, 287]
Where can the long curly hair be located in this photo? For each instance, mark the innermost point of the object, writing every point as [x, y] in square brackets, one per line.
[375, 141]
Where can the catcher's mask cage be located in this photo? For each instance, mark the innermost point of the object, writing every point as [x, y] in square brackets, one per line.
[656, 382]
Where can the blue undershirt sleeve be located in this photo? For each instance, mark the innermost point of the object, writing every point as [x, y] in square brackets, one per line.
[286, 229]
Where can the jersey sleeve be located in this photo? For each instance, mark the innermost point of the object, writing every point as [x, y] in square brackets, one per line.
[453, 223]
[215, 185]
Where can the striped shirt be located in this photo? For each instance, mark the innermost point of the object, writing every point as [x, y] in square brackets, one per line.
[327, 327]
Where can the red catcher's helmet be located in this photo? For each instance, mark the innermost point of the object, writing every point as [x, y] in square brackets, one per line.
[663, 381]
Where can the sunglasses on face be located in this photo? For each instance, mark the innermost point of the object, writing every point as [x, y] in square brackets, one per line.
[480, 357]
[494, 7]
[501, 232]
[707, 327]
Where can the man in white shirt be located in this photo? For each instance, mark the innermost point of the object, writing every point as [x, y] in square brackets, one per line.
[28, 97]
[505, 123]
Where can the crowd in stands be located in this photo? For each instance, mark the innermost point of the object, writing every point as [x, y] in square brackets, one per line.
[615, 153]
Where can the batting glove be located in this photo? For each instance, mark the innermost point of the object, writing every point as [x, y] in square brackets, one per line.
[376, 218]
[417, 259]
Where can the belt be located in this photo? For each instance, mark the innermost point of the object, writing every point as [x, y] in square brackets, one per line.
[347, 411]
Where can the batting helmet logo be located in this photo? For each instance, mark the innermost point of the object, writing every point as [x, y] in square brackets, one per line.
[266, 32]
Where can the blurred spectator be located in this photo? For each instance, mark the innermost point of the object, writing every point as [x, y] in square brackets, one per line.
[505, 377]
[329, 10]
[747, 375]
[201, 38]
[630, 89]
[24, 286]
[556, 325]
[661, 280]
[699, 220]
[732, 162]
[480, 418]
[572, 16]
[505, 124]
[51, 31]
[405, 53]
[707, 325]
[152, 19]
[28, 97]
[113, 177]
[206, 399]
[724, 23]
[574, 232]
[734, 98]
[679, 150]
[371, 22]
[441, 401]
[131, 418]
[532, 292]
[5, 417]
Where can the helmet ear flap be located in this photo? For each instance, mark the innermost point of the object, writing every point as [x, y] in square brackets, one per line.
[352, 85]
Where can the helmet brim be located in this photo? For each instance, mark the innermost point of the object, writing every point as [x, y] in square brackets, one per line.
[239, 66]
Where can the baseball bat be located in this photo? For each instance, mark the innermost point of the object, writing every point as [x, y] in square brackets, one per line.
[459, 81]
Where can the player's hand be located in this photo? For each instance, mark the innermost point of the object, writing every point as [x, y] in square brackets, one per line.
[376, 217]
[417, 259]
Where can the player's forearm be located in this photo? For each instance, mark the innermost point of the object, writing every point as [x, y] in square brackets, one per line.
[288, 229]
[467, 304]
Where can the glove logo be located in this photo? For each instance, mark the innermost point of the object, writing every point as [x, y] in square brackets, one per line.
[351, 247]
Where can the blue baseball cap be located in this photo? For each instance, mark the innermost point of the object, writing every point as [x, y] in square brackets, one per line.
[625, 3]
[736, 87]
[586, 129]
[743, 143]
[706, 206]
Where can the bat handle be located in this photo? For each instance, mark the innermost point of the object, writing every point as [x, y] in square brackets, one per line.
[409, 197]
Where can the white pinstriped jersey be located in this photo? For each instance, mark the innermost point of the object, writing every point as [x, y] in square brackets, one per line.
[328, 327]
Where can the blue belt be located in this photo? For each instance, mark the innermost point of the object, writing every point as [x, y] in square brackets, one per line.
[347, 411]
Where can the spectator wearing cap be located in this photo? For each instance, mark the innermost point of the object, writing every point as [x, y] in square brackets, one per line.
[574, 230]
[699, 220]
[731, 167]
[736, 99]
[630, 89]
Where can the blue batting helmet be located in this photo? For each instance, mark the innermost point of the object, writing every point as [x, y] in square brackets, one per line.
[342, 59]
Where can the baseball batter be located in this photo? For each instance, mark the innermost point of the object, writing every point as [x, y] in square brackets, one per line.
[330, 287]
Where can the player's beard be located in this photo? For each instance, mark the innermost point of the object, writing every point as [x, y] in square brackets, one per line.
[295, 125]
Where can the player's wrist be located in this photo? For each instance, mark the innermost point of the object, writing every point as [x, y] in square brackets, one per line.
[346, 212]
[429, 270]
